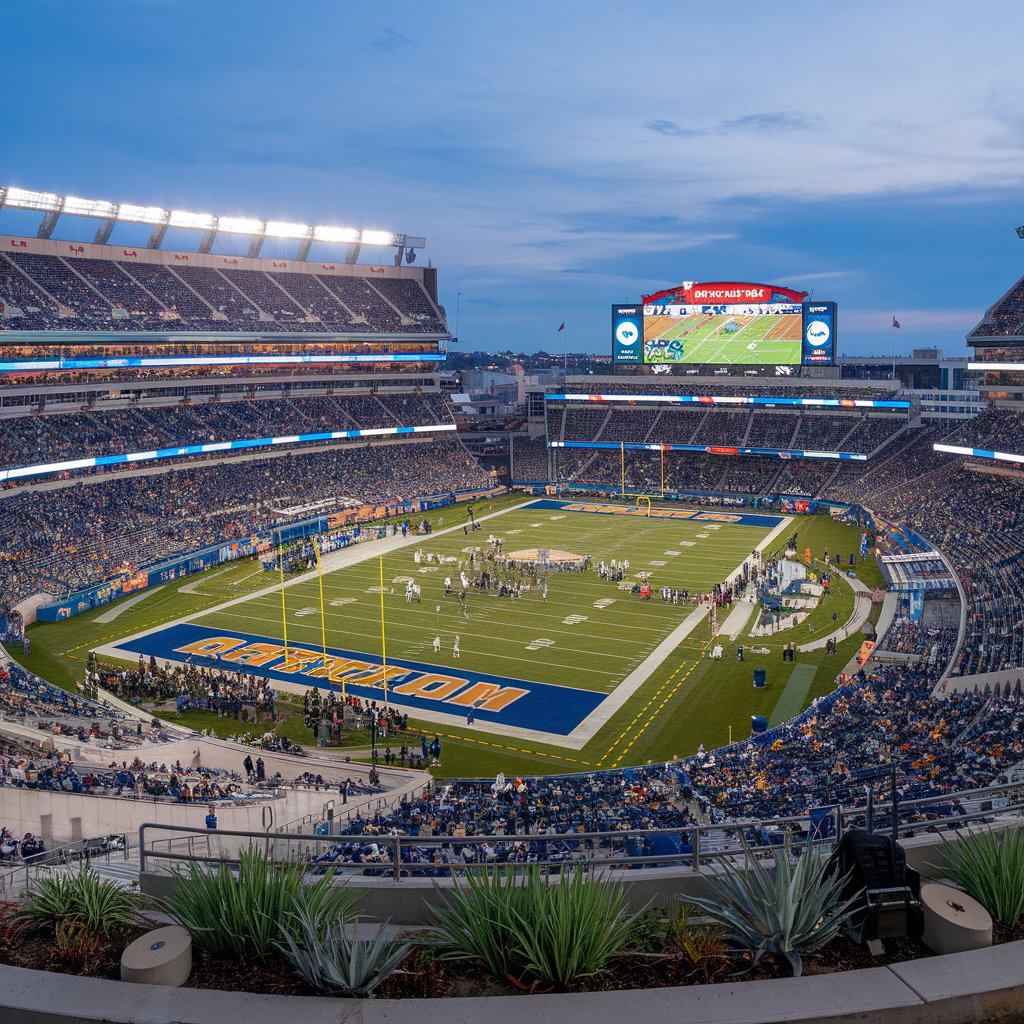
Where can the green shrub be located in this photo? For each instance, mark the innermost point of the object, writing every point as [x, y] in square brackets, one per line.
[989, 866]
[332, 962]
[242, 917]
[701, 945]
[787, 910]
[81, 898]
[534, 931]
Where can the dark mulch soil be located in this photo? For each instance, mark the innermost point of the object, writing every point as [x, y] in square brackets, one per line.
[266, 977]
[38, 951]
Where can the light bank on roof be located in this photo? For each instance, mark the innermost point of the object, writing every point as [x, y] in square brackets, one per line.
[54, 206]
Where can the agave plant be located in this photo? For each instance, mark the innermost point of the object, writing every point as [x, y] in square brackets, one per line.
[96, 905]
[989, 866]
[533, 931]
[240, 917]
[787, 910]
[332, 962]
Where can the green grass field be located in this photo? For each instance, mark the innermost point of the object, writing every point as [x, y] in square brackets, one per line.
[690, 699]
[565, 639]
[704, 340]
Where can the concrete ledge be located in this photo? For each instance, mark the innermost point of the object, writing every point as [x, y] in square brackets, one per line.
[978, 986]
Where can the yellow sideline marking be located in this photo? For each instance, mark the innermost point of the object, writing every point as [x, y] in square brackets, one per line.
[517, 750]
[654, 714]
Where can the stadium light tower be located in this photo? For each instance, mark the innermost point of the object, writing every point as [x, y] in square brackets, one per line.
[53, 207]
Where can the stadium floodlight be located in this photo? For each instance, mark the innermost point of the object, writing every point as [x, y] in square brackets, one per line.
[284, 229]
[378, 238]
[53, 206]
[22, 199]
[1020, 231]
[324, 233]
[141, 214]
[198, 221]
[240, 225]
[76, 207]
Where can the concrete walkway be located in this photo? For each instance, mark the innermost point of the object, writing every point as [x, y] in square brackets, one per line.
[737, 619]
[859, 615]
[123, 606]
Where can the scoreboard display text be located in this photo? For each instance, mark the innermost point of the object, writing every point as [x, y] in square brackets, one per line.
[725, 334]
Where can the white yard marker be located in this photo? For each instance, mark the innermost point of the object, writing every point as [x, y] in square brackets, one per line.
[536, 645]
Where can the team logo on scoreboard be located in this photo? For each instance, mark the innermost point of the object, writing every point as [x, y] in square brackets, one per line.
[818, 333]
[627, 334]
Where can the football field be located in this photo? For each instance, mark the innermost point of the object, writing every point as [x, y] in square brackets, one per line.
[539, 663]
[592, 677]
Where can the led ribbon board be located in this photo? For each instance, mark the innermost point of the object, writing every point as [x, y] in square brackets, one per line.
[215, 446]
[978, 453]
[824, 403]
[16, 365]
[710, 449]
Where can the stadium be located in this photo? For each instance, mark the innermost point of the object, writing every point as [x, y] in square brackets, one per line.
[257, 585]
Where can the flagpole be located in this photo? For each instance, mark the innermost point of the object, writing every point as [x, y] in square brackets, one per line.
[892, 331]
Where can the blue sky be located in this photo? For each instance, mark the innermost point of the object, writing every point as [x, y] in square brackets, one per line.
[563, 156]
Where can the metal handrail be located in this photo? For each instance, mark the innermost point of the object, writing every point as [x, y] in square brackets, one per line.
[598, 849]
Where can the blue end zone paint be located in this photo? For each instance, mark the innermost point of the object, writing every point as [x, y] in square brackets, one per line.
[679, 515]
[543, 706]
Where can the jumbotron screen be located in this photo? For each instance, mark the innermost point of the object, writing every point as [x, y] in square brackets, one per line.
[723, 325]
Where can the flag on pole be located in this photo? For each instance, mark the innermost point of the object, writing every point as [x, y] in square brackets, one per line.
[562, 328]
[896, 323]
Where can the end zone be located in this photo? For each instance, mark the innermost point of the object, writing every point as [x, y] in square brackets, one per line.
[436, 694]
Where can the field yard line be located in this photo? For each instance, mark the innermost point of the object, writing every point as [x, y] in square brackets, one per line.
[331, 562]
[482, 614]
[447, 630]
[589, 727]
[425, 607]
[575, 740]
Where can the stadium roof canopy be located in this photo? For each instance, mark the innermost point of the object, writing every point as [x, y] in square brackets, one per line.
[54, 206]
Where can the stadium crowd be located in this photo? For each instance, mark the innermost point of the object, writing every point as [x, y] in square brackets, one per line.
[48, 292]
[67, 537]
[25, 440]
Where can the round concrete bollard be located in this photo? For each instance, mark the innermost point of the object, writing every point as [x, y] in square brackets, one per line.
[160, 957]
[953, 921]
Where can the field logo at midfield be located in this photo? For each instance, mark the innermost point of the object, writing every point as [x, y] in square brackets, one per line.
[410, 684]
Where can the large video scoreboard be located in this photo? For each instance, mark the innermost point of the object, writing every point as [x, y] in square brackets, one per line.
[725, 324]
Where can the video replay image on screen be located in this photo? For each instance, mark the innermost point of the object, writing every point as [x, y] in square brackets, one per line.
[739, 334]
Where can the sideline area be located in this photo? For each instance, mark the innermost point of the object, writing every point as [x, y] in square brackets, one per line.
[573, 715]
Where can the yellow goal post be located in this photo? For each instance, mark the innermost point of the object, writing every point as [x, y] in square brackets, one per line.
[643, 502]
